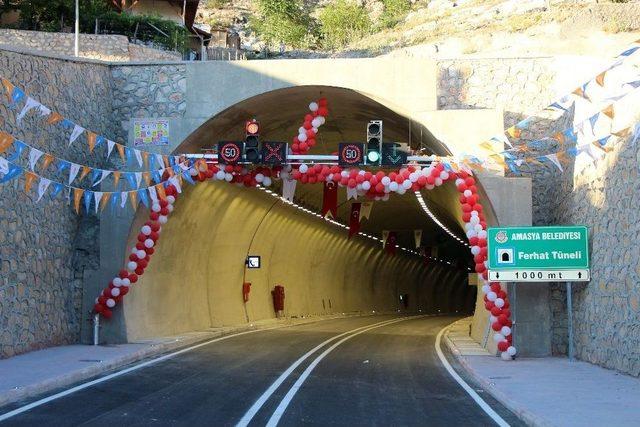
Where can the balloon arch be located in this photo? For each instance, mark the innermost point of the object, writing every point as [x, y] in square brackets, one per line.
[374, 185]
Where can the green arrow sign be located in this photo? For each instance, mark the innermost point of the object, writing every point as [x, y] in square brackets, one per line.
[538, 248]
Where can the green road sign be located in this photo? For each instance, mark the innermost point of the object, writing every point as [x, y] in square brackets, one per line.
[538, 254]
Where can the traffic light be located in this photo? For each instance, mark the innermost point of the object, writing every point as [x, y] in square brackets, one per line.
[374, 142]
[252, 142]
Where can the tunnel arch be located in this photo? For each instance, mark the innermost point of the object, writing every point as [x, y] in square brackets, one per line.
[213, 223]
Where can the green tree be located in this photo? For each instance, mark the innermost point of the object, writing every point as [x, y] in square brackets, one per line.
[342, 23]
[53, 15]
[284, 21]
[394, 11]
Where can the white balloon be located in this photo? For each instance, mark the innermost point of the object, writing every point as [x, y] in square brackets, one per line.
[131, 266]
[117, 281]
[482, 234]
[313, 106]
[146, 230]
[474, 213]
[466, 193]
[111, 303]
[430, 187]
[461, 181]
[498, 337]
[386, 190]
[148, 243]
[505, 356]
[284, 174]
[302, 137]
[474, 220]
[486, 289]
[301, 130]
[468, 226]
[267, 181]
[259, 177]
[444, 175]
[163, 219]
[385, 197]
[115, 292]
[314, 129]
[322, 120]
[366, 185]
[478, 227]
[170, 208]
[156, 207]
[193, 172]
[511, 351]
[393, 186]
[228, 177]
[220, 175]
[499, 303]
[492, 296]
[401, 190]
[438, 182]
[475, 250]
[172, 199]
[141, 254]
[472, 233]
[126, 282]
[492, 319]
[413, 176]
[385, 180]
[303, 168]
[406, 184]
[506, 331]
[316, 123]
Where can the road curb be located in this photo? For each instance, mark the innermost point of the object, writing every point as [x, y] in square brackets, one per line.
[154, 350]
[520, 411]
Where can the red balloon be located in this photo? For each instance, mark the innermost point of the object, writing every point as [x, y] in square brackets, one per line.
[303, 146]
[133, 257]
[123, 273]
[496, 326]
[98, 308]
[124, 290]
[506, 312]
[470, 181]
[106, 313]
[478, 259]
[307, 125]
[352, 183]
[489, 305]
[142, 237]
[466, 208]
[155, 226]
[495, 287]
[503, 319]
[496, 311]
[482, 242]
[472, 241]
[461, 187]
[140, 246]
[503, 345]
[477, 207]
[133, 278]
[466, 216]
[139, 271]
[154, 236]
[480, 268]
[154, 216]
[308, 118]
[149, 251]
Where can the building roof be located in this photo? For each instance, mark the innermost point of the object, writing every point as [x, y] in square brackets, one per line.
[190, 8]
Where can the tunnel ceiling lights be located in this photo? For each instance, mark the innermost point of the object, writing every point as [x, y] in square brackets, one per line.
[346, 227]
[426, 209]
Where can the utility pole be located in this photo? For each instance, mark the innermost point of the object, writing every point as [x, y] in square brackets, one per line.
[77, 35]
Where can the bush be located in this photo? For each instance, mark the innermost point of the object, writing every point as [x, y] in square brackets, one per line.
[394, 11]
[172, 36]
[283, 21]
[342, 23]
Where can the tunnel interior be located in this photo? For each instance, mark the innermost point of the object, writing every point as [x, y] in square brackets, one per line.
[195, 281]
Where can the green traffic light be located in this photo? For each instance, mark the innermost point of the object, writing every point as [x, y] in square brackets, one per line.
[373, 156]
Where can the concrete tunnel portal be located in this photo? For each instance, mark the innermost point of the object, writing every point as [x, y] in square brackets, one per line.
[195, 280]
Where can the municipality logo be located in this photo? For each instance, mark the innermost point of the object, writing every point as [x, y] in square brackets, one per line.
[501, 236]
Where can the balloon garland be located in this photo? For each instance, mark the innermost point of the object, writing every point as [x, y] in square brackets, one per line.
[374, 185]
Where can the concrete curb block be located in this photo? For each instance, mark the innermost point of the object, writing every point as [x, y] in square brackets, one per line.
[154, 349]
[518, 409]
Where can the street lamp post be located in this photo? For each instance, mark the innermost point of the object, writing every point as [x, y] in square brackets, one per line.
[77, 34]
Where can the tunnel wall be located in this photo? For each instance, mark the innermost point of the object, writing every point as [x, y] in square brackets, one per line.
[195, 278]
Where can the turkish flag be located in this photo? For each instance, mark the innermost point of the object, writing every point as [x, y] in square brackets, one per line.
[330, 199]
[390, 245]
[354, 220]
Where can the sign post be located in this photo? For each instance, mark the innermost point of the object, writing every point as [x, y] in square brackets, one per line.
[540, 254]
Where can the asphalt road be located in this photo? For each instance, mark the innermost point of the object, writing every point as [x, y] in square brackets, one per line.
[387, 374]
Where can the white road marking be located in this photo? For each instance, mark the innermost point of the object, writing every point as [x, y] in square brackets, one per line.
[67, 392]
[282, 407]
[248, 416]
[483, 405]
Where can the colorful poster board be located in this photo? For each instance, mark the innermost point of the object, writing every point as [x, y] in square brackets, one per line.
[150, 132]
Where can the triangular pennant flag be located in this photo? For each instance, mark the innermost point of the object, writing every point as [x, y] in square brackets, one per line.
[578, 91]
[600, 78]
[153, 194]
[160, 161]
[110, 145]
[13, 172]
[354, 219]
[18, 148]
[608, 111]
[105, 200]
[42, 187]
[34, 156]
[54, 118]
[97, 197]
[46, 161]
[16, 96]
[44, 111]
[4, 165]
[138, 176]
[138, 155]
[147, 178]
[6, 141]
[77, 195]
[103, 175]
[417, 236]
[29, 178]
[91, 140]
[514, 132]
[95, 176]
[57, 188]
[554, 159]
[365, 210]
[329, 199]
[85, 172]
[177, 182]
[75, 133]
[123, 198]
[73, 172]
[142, 194]
[8, 86]
[133, 199]
[622, 133]
[160, 192]
[116, 178]
[30, 104]
[352, 193]
[120, 149]
[145, 160]
[88, 195]
[391, 243]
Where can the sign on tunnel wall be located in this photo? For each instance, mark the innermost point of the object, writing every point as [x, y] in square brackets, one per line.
[538, 254]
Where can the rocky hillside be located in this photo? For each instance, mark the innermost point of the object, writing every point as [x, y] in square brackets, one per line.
[441, 28]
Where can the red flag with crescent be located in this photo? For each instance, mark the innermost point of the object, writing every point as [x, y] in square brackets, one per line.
[354, 220]
[390, 244]
[330, 199]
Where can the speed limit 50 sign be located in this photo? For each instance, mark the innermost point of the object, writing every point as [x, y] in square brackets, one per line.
[350, 154]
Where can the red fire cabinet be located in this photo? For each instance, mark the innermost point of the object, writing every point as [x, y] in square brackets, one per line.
[246, 288]
[278, 298]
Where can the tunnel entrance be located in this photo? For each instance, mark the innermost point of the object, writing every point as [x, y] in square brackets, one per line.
[197, 279]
